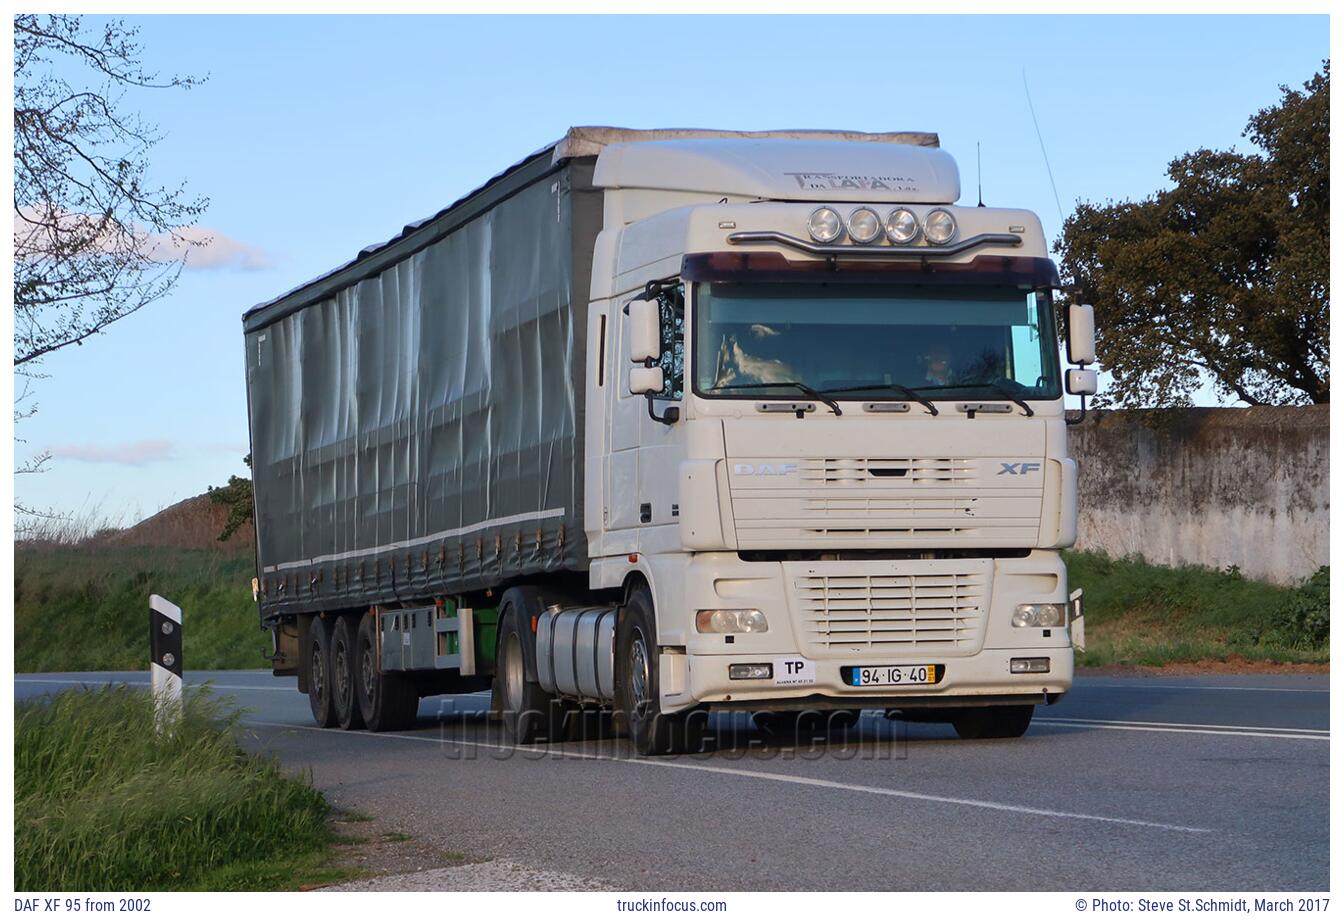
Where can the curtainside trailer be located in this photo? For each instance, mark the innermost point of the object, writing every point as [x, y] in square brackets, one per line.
[668, 422]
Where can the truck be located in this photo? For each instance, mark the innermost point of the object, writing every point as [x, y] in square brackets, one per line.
[662, 423]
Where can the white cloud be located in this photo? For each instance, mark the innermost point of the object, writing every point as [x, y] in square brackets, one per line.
[136, 453]
[215, 250]
[201, 247]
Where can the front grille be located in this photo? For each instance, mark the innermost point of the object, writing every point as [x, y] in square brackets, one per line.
[935, 612]
[877, 471]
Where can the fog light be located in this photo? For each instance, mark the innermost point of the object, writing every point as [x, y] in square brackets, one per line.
[730, 621]
[1029, 666]
[1046, 615]
[750, 671]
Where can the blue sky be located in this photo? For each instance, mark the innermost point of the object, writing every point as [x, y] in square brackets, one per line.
[315, 136]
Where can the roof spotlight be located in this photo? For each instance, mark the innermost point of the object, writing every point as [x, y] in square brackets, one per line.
[864, 225]
[902, 226]
[940, 226]
[825, 225]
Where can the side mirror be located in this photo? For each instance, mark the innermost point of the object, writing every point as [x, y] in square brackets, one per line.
[646, 380]
[1082, 334]
[645, 335]
[1081, 382]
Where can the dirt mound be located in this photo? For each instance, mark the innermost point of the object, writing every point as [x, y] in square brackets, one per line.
[191, 524]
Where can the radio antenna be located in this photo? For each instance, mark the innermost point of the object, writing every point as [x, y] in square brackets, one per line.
[1045, 156]
[979, 178]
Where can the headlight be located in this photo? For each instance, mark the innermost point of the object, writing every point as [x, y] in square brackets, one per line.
[1039, 615]
[864, 225]
[730, 621]
[902, 226]
[825, 225]
[940, 227]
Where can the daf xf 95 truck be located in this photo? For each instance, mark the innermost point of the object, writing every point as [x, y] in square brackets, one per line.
[672, 422]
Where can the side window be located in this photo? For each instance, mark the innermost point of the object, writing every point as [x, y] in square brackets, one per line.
[672, 312]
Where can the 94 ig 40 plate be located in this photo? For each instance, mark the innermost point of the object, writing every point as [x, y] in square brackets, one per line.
[892, 675]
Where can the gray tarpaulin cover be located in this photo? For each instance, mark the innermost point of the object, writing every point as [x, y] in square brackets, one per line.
[416, 416]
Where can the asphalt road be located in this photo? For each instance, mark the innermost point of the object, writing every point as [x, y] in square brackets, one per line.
[1189, 783]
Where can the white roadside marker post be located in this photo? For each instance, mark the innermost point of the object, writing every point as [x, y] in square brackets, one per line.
[165, 661]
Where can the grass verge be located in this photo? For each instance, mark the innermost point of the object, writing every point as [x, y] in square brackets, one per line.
[1151, 615]
[86, 607]
[102, 803]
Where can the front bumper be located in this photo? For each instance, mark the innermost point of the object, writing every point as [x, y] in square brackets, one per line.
[982, 678]
[694, 668]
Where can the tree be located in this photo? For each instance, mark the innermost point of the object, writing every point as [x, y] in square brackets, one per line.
[94, 238]
[1224, 277]
[237, 497]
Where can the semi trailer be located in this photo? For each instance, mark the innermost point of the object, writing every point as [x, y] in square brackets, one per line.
[668, 422]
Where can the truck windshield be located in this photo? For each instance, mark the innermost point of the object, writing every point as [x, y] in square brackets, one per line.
[944, 343]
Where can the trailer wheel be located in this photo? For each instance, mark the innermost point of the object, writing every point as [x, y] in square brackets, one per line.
[387, 701]
[637, 693]
[319, 672]
[528, 712]
[993, 721]
[344, 701]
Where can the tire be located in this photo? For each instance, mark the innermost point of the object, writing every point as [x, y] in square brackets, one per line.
[388, 702]
[993, 721]
[529, 714]
[806, 723]
[344, 701]
[637, 694]
[319, 672]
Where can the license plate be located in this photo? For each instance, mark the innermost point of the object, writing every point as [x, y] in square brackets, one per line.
[892, 675]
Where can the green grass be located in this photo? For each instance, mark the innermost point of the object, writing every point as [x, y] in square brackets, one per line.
[103, 803]
[86, 608]
[1141, 614]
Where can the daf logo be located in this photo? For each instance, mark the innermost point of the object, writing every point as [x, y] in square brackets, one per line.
[764, 469]
[1017, 469]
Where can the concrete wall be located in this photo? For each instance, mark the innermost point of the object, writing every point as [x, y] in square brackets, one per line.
[1211, 487]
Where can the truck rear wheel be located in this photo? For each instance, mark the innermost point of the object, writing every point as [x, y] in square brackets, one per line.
[637, 692]
[993, 721]
[528, 712]
[319, 672]
[343, 676]
[387, 701]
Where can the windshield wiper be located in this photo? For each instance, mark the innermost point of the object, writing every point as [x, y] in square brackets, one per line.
[801, 387]
[896, 387]
[1008, 394]
[997, 389]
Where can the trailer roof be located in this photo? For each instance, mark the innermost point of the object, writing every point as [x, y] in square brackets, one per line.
[577, 143]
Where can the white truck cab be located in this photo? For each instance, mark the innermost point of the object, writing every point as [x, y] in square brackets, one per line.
[831, 437]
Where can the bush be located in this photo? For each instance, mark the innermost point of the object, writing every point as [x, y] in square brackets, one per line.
[1304, 619]
[103, 803]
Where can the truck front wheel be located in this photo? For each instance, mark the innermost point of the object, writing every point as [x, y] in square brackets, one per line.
[528, 712]
[387, 701]
[637, 691]
[993, 721]
[319, 672]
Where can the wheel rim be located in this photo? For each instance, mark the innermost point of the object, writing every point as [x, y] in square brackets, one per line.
[342, 675]
[513, 672]
[366, 671]
[639, 675]
[317, 672]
